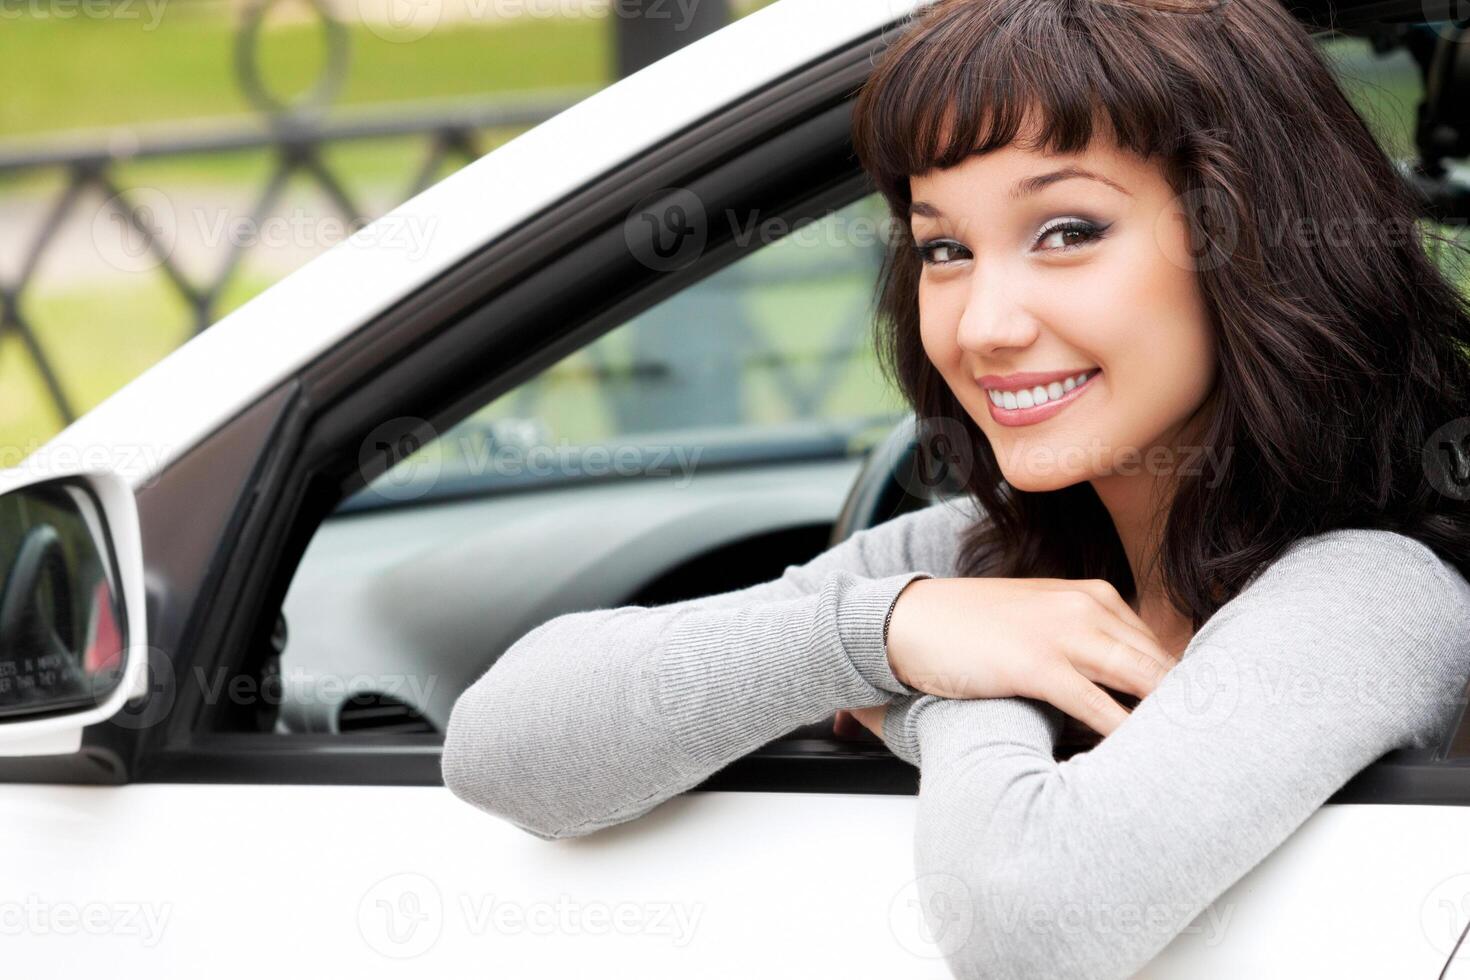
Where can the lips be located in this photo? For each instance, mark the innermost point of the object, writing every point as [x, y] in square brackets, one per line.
[1038, 413]
[1029, 379]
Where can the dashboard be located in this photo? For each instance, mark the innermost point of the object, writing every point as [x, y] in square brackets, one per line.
[393, 611]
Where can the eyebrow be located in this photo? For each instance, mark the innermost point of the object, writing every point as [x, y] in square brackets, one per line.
[1027, 186]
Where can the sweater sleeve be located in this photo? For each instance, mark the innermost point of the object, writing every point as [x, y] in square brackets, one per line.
[594, 718]
[1352, 644]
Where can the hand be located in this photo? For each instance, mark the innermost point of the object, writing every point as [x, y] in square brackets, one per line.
[845, 723]
[1052, 640]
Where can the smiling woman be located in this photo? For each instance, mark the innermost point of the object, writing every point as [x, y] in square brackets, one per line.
[1136, 201]
[1096, 274]
[1092, 289]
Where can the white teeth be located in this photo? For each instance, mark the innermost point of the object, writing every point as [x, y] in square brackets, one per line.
[1030, 397]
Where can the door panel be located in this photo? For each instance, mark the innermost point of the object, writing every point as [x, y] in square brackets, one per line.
[1360, 890]
[369, 881]
[390, 882]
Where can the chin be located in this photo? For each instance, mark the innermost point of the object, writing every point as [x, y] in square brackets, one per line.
[1042, 482]
[1039, 465]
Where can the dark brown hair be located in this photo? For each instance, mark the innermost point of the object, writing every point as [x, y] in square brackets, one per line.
[1337, 361]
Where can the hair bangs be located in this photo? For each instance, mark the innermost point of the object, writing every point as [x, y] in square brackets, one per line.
[1039, 74]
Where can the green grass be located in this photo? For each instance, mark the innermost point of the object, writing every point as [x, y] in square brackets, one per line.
[184, 71]
[109, 73]
[182, 68]
[96, 340]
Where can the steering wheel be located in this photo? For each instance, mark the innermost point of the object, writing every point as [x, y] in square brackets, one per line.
[896, 478]
[40, 555]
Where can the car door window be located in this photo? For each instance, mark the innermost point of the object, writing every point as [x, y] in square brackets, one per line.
[775, 347]
[397, 606]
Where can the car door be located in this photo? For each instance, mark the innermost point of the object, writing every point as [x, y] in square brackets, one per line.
[190, 819]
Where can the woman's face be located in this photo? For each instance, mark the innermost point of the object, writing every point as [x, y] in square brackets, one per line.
[1034, 274]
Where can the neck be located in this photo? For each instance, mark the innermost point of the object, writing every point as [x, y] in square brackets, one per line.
[1137, 504]
[1138, 501]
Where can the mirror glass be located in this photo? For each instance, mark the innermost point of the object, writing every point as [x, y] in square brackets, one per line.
[62, 629]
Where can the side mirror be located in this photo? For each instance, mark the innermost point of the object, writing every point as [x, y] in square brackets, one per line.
[73, 639]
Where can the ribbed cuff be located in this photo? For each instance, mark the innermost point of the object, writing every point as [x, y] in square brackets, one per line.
[899, 733]
[951, 728]
[861, 623]
[953, 725]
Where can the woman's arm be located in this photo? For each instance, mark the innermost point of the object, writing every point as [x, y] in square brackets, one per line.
[1351, 644]
[594, 718]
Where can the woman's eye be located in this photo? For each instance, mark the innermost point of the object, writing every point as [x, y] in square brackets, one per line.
[1071, 234]
[941, 252]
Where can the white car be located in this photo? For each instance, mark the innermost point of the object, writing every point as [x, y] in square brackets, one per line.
[230, 634]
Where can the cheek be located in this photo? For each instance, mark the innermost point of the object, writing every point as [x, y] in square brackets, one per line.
[1182, 334]
[937, 331]
[1162, 353]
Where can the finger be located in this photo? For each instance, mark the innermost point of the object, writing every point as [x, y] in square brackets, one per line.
[871, 718]
[844, 725]
[1085, 701]
[1104, 593]
[1143, 642]
[1110, 660]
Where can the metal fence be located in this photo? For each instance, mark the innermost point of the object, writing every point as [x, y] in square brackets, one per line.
[295, 146]
[666, 379]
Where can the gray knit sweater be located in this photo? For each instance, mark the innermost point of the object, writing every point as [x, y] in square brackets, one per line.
[1349, 645]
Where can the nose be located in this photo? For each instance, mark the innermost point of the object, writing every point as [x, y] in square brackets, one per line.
[994, 318]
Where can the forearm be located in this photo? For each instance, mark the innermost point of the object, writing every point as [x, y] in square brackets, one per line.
[596, 717]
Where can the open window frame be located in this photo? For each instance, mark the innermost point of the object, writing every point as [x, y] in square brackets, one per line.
[530, 298]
